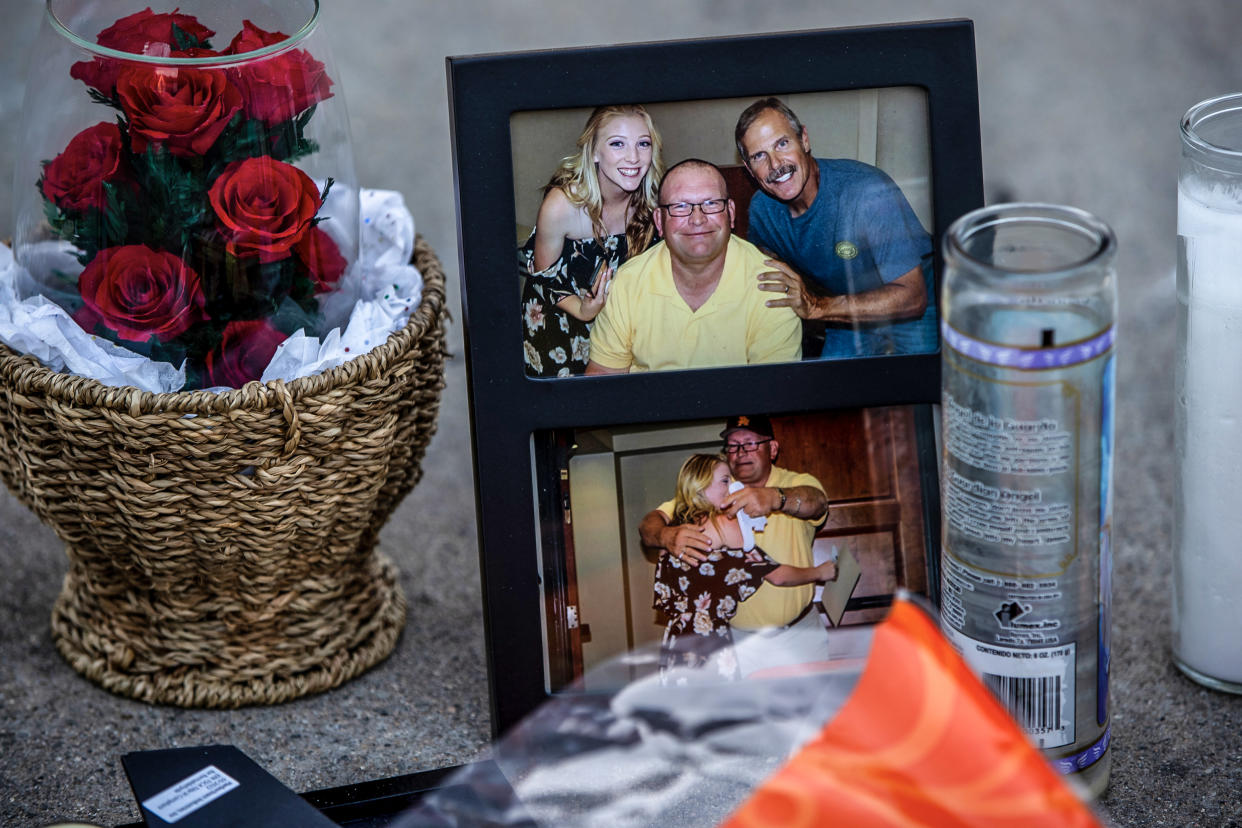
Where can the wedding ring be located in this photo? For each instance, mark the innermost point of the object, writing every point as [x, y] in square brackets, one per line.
[787, 288]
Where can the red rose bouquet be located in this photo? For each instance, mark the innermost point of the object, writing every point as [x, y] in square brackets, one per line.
[195, 227]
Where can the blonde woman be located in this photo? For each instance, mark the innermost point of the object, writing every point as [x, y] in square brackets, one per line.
[698, 599]
[597, 211]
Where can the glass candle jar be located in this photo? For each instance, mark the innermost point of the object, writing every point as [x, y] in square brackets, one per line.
[1207, 523]
[1028, 315]
[185, 183]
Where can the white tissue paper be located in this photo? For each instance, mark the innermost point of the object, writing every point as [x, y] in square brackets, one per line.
[374, 298]
[749, 525]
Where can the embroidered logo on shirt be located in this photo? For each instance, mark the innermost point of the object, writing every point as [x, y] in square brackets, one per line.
[846, 249]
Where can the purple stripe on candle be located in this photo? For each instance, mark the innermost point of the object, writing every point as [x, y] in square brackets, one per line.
[1028, 359]
[1085, 759]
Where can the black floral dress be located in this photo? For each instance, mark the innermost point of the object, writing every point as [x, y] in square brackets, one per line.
[557, 344]
[698, 602]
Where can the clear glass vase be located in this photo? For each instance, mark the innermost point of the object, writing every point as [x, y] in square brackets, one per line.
[185, 183]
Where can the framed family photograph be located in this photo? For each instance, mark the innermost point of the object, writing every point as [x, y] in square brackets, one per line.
[604, 570]
[656, 238]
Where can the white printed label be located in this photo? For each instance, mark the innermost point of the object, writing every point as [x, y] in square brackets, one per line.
[190, 794]
[1007, 446]
[1021, 450]
[1035, 685]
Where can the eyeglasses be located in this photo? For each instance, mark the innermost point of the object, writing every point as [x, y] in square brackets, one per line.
[747, 448]
[681, 209]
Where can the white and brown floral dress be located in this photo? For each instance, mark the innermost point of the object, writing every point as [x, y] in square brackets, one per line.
[557, 344]
[698, 601]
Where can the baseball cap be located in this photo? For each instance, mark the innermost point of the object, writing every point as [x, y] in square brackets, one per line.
[758, 423]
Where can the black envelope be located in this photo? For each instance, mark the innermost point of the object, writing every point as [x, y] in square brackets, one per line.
[216, 786]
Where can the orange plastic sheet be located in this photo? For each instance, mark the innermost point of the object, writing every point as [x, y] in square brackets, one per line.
[920, 742]
[905, 736]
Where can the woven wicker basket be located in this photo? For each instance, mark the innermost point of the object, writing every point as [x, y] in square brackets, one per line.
[222, 546]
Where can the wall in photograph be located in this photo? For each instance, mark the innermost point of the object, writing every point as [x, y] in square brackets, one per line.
[883, 127]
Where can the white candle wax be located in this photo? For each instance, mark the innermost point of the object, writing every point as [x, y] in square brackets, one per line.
[1207, 607]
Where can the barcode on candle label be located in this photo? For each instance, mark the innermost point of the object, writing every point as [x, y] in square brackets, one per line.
[1035, 685]
[190, 794]
[1037, 702]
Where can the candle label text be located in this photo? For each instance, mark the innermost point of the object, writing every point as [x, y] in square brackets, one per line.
[996, 513]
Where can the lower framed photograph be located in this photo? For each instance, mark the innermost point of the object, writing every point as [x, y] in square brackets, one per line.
[637, 551]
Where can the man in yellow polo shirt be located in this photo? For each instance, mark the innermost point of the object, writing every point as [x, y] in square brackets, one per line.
[691, 301]
[795, 506]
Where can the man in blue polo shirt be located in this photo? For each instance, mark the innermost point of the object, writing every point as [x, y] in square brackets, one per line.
[853, 256]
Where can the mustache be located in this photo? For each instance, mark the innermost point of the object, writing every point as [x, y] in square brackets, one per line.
[778, 172]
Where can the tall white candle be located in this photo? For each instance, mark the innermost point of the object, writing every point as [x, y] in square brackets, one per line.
[1207, 606]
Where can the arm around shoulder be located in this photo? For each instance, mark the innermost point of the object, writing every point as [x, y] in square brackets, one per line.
[805, 503]
[651, 529]
[913, 299]
[903, 298]
[805, 498]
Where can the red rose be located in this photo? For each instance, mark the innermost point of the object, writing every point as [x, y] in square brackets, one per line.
[280, 87]
[140, 293]
[74, 179]
[251, 39]
[99, 73]
[185, 110]
[264, 207]
[245, 351]
[135, 32]
[142, 33]
[322, 258]
[102, 73]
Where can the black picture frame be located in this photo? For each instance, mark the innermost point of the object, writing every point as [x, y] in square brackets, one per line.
[507, 407]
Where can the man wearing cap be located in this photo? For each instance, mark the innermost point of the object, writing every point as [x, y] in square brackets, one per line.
[795, 506]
